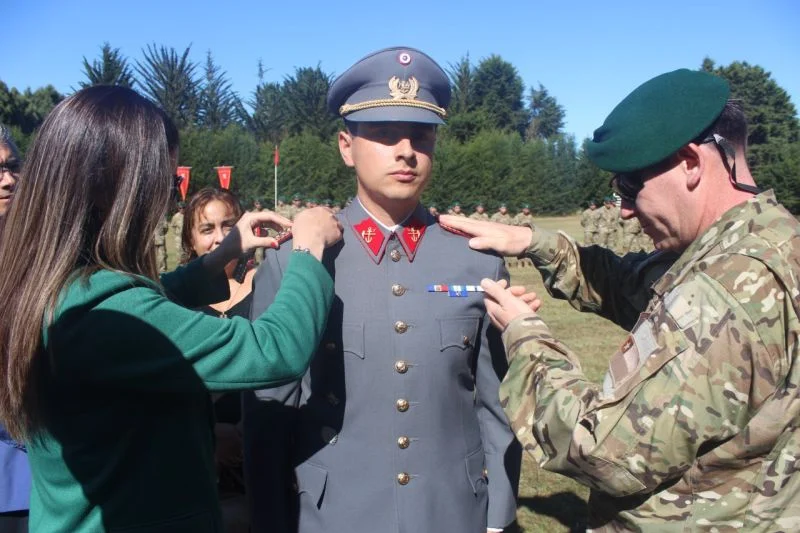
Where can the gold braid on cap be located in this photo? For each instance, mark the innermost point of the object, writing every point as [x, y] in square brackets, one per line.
[403, 93]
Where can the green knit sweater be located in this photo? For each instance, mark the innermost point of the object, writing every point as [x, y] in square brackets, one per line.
[127, 442]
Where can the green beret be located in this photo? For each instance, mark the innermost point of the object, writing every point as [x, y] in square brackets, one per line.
[656, 119]
[525, 206]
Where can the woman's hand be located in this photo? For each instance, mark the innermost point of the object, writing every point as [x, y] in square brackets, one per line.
[242, 238]
[316, 229]
[247, 225]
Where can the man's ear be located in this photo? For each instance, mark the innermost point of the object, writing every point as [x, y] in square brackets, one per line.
[346, 147]
[693, 163]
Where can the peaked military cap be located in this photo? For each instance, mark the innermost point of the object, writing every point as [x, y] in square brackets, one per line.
[394, 84]
[658, 118]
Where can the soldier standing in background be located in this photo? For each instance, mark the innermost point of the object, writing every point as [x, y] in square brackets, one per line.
[176, 226]
[590, 222]
[607, 225]
[524, 217]
[480, 212]
[502, 215]
[631, 229]
[161, 244]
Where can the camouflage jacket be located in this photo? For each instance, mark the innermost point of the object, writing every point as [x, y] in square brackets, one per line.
[696, 426]
[609, 218]
[522, 219]
[479, 216]
[502, 219]
[590, 219]
[631, 226]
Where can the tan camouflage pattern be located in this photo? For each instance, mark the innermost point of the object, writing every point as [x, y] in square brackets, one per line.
[479, 216]
[521, 219]
[631, 229]
[608, 225]
[590, 222]
[697, 425]
[501, 218]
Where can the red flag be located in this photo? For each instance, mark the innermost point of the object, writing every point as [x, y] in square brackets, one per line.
[277, 157]
[184, 173]
[224, 174]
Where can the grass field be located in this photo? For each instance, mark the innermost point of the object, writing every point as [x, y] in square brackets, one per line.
[548, 502]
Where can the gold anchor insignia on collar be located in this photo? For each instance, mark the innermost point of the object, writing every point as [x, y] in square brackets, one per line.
[368, 234]
[403, 89]
[414, 234]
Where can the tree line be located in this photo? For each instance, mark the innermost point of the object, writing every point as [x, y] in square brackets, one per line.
[503, 142]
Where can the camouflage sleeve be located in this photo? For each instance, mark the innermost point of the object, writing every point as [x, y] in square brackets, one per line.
[595, 279]
[689, 377]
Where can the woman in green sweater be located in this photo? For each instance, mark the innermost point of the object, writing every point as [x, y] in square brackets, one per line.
[105, 372]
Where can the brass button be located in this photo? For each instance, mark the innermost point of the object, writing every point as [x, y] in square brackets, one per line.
[330, 346]
[403, 478]
[401, 367]
[403, 442]
[485, 472]
[400, 326]
[465, 340]
[395, 255]
[402, 405]
[398, 290]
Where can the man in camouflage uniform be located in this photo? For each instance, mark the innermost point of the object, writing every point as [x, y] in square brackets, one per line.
[590, 221]
[631, 229]
[479, 213]
[502, 215]
[456, 207]
[295, 207]
[161, 244]
[524, 217]
[176, 226]
[695, 426]
[607, 225]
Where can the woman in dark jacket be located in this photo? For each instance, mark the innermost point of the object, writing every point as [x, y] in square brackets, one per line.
[106, 372]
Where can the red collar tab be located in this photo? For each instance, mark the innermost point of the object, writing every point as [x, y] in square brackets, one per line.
[371, 236]
[412, 236]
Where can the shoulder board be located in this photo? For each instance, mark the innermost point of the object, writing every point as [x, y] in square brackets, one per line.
[453, 230]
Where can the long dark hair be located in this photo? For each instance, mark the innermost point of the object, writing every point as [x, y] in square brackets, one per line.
[95, 184]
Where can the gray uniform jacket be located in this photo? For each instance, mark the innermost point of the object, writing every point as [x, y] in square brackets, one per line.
[397, 426]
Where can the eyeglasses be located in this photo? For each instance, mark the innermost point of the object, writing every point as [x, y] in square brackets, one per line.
[628, 184]
[11, 167]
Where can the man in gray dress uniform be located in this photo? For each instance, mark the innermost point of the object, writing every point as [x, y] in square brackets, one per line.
[397, 426]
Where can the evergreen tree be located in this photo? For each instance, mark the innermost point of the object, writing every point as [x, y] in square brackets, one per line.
[169, 80]
[111, 69]
[305, 97]
[497, 89]
[547, 115]
[219, 105]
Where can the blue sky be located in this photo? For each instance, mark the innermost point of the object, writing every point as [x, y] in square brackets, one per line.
[589, 55]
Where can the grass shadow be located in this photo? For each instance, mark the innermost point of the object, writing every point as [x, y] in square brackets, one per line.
[565, 507]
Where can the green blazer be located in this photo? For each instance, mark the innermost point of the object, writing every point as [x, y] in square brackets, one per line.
[126, 442]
